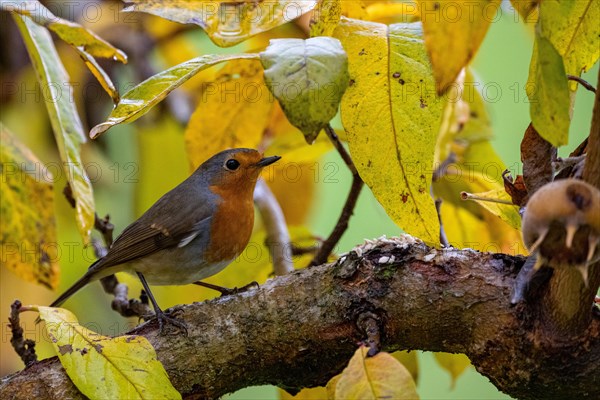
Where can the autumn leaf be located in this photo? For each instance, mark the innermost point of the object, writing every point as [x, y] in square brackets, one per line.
[499, 203]
[325, 17]
[124, 367]
[410, 361]
[227, 23]
[455, 364]
[316, 393]
[308, 77]
[233, 111]
[454, 30]
[466, 161]
[27, 214]
[84, 41]
[526, 8]
[573, 30]
[139, 100]
[537, 156]
[71, 32]
[378, 377]
[293, 180]
[392, 116]
[64, 118]
[100, 75]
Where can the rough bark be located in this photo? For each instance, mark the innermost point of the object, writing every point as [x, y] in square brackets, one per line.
[301, 329]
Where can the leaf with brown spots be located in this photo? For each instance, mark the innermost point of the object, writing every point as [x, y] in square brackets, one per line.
[27, 214]
[124, 367]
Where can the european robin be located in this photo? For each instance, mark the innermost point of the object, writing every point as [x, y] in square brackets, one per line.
[190, 233]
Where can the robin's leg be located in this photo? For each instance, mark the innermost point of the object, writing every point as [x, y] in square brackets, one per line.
[226, 291]
[161, 316]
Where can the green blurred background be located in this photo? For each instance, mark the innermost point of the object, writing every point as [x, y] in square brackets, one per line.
[138, 163]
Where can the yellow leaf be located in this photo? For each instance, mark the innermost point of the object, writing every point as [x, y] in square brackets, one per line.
[325, 17]
[392, 117]
[464, 228]
[63, 117]
[573, 29]
[391, 12]
[27, 221]
[102, 367]
[465, 136]
[410, 360]
[331, 385]
[454, 29]
[499, 203]
[378, 377]
[316, 393]
[294, 177]
[526, 8]
[233, 111]
[227, 23]
[100, 75]
[455, 364]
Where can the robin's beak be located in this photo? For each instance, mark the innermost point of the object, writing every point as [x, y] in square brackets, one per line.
[267, 161]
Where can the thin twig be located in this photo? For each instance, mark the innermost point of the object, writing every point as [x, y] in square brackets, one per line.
[442, 169]
[347, 211]
[25, 348]
[582, 82]
[438, 208]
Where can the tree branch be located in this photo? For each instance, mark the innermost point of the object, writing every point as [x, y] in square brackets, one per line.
[301, 329]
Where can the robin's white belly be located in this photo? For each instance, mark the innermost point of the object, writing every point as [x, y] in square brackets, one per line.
[161, 272]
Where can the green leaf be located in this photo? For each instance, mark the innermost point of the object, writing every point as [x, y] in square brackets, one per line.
[378, 377]
[139, 100]
[124, 367]
[72, 33]
[548, 93]
[392, 116]
[573, 29]
[308, 77]
[65, 121]
[26, 214]
[227, 23]
[452, 40]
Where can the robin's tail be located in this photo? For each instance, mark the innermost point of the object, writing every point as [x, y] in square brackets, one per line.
[89, 276]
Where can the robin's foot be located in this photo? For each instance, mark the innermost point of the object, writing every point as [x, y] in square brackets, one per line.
[168, 318]
[226, 291]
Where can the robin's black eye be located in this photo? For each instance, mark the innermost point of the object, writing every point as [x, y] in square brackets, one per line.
[232, 164]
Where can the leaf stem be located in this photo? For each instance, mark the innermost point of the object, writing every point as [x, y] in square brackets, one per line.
[582, 82]
[471, 196]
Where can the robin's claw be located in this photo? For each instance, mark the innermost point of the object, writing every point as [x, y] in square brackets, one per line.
[167, 318]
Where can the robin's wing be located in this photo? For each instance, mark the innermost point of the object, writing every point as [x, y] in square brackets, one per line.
[144, 238]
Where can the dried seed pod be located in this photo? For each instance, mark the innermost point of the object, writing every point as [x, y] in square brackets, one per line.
[562, 225]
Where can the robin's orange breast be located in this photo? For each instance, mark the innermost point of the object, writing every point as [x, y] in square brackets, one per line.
[231, 226]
